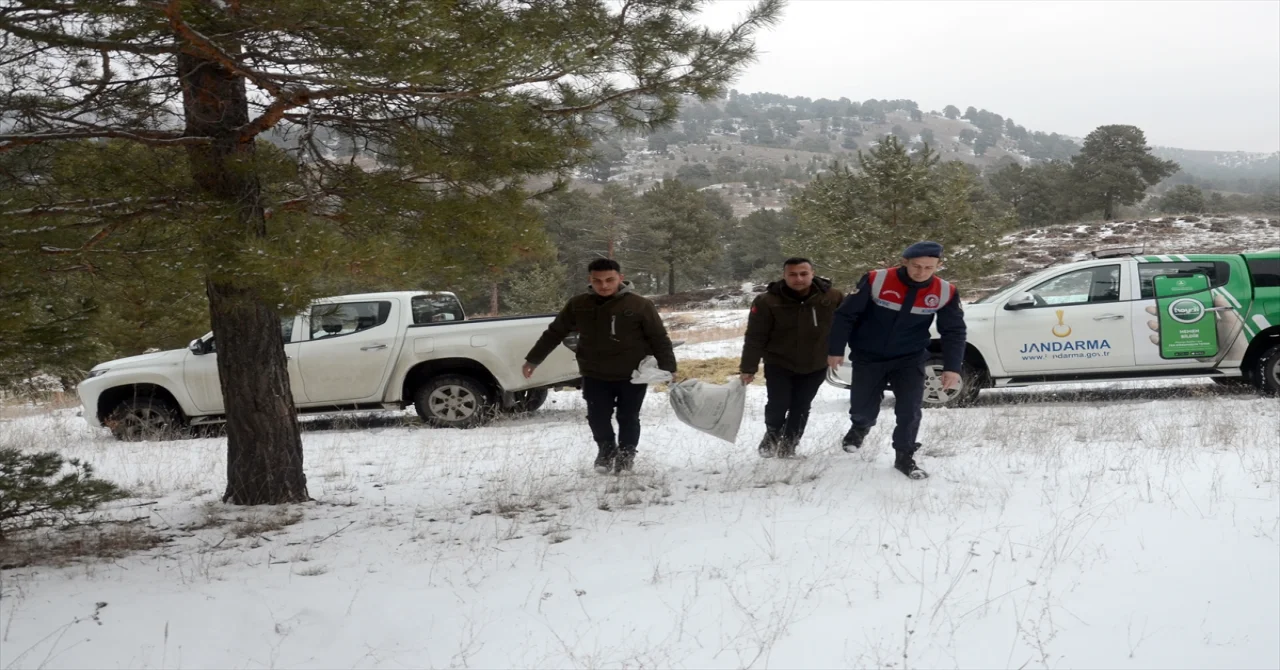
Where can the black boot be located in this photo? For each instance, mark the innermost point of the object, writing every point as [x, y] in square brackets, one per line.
[787, 445]
[769, 444]
[906, 464]
[853, 439]
[624, 460]
[604, 457]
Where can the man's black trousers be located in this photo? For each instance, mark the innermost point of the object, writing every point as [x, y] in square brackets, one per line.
[790, 395]
[603, 399]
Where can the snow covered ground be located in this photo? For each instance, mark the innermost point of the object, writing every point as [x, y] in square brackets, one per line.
[1129, 527]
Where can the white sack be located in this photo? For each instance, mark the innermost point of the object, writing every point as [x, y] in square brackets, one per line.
[648, 373]
[715, 409]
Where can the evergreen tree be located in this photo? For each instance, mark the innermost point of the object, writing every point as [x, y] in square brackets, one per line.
[676, 231]
[1115, 167]
[538, 289]
[754, 244]
[850, 221]
[452, 105]
[951, 112]
[1009, 184]
[1048, 195]
[1183, 199]
[1216, 203]
[606, 156]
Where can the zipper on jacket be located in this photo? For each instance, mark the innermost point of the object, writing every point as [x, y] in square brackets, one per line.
[613, 325]
[815, 316]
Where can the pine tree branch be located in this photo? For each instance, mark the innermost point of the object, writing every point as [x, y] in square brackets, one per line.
[153, 138]
[83, 207]
[64, 40]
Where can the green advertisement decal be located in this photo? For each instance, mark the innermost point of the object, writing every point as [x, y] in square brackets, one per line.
[1185, 307]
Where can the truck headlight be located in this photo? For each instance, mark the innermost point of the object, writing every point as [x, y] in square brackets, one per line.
[96, 373]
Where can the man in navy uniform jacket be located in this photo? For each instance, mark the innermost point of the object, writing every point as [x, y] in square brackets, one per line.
[885, 322]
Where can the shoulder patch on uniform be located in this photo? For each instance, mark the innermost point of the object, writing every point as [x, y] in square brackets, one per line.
[754, 309]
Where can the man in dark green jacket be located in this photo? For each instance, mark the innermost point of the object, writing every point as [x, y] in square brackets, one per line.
[788, 327]
[616, 330]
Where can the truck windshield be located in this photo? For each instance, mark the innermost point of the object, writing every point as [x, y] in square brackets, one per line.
[436, 308]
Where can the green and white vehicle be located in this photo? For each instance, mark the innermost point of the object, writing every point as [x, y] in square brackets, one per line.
[1120, 316]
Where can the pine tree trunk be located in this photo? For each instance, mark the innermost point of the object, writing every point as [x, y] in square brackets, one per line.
[671, 278]
[264, 446]
[493, 299]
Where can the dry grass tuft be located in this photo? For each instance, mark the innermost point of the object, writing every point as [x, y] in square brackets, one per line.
[63, 547]
[266, 523]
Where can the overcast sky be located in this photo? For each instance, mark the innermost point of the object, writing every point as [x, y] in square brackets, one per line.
[1195, 75]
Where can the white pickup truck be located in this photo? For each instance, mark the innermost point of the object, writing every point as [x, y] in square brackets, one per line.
[1097, 320]
[351, 352]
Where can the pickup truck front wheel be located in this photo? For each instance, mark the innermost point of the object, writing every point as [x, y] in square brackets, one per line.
[144, 418]
[935, 396]
[528, 401]
[453, 401]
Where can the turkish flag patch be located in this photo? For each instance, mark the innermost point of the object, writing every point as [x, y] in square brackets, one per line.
[753, 309]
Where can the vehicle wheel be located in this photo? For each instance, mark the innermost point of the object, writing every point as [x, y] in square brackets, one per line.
[935, 396]
[1267, 375]
[453, 401]
[145, 418]
[528, 401]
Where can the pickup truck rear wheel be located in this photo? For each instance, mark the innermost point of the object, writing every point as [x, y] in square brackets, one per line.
[144, 418]
[453, 401]
[528, 401]
[935, 396]
[1267, 376]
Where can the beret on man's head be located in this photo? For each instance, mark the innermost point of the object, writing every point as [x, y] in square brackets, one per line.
[926, 248]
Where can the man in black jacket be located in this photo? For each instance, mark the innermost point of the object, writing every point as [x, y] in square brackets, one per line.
[788, 327]
[885, 323]
[616, 329]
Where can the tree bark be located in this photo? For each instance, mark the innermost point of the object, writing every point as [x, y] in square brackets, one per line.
[671, 278]
[264, 445]
[493, 299]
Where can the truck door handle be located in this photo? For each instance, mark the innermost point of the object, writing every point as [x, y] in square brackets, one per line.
[373, 346]
[1108, 317]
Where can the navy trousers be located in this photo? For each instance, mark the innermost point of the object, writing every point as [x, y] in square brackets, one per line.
[905, 377]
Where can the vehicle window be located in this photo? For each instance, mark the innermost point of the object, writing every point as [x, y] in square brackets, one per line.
[1088, 285]
[1007, 289]
[1218, 272]
[286, 331]
[435, 309]
[345, 318]
[1265, 272]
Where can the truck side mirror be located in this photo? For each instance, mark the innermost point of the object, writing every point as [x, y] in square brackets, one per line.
[196, 347]
[1021, 301]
